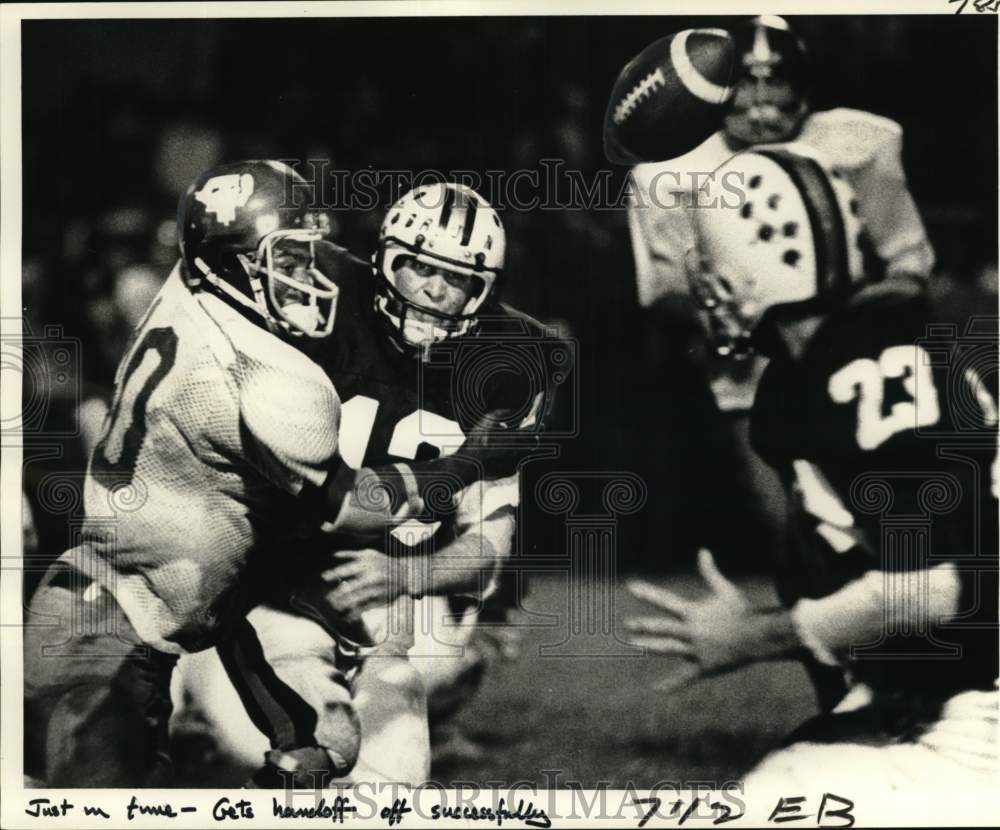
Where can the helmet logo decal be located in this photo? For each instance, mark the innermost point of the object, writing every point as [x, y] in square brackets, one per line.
[470, 221]
[221, 195]
[761, 53]
[449, 201]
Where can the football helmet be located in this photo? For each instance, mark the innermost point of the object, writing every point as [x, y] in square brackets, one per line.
[769, 100]
[445, 226]
[247, 234]
[794, 236]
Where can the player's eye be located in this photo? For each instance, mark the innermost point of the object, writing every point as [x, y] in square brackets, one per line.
[455, 280]
[293, 263]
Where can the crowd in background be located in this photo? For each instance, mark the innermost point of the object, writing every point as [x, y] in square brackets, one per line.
[120, 116]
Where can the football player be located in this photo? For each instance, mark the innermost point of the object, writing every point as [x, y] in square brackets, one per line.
[880, 420]
[422, 347]
[220, 449]
[770, 103]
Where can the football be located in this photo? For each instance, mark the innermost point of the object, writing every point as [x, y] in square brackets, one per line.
[670, 97]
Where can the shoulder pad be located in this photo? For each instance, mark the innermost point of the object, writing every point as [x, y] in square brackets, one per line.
[851, 138]
[293, 419]
[502, 320]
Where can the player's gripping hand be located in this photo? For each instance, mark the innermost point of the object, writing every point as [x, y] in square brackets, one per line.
[337, 596]
[494, 449]
[365, 579]
[363, 502]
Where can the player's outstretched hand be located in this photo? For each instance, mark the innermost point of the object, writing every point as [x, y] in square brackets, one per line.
[708, 632]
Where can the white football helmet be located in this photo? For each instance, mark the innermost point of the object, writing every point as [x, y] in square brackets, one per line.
[447, 226]
[792, 235]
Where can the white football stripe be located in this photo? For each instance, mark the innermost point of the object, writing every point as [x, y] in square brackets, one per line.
[696, 83]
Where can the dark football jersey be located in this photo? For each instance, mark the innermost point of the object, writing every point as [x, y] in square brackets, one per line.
[397, 406]
[884, 430]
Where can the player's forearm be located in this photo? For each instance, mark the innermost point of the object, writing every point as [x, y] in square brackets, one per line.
[917, 259]
[864, 609]
[362, 502]
[769, 634]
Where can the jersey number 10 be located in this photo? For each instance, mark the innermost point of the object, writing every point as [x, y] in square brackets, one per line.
[124, 432]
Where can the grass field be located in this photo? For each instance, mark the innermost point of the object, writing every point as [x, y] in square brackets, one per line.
[593, 719]
[558, 720]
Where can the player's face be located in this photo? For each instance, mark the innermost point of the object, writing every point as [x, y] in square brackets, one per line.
[291, 264]
[764, 110]
[294, 259]
[446, 292]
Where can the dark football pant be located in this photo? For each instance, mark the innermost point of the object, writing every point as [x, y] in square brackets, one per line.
[302, 692]
[285, 670]
[97, 699]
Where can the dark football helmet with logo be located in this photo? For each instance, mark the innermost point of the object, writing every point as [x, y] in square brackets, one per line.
[247, 233]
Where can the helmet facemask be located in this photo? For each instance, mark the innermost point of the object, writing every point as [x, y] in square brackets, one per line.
[293, 293]
[769, 98]
[765, 110]
[419, 324]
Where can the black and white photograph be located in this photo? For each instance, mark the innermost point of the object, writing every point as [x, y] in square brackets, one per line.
[499, 415]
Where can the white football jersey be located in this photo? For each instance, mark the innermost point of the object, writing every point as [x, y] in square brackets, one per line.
[865, 148]
[216, 426]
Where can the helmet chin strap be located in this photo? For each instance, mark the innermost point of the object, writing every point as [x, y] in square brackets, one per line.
[220, 284]
[426, 331]
[421, 332]
[260, 299]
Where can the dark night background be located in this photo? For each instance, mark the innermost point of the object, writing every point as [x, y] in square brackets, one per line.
[119, 115]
